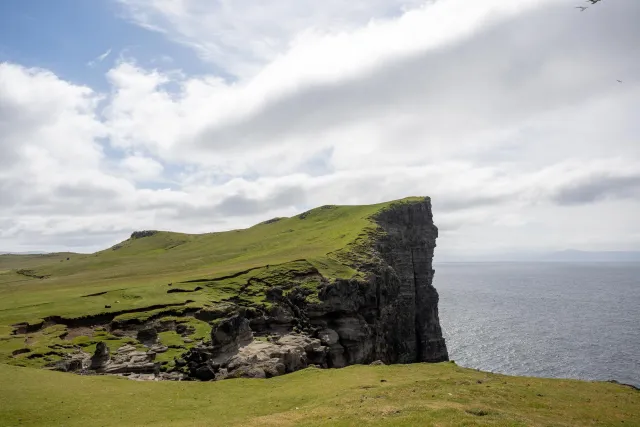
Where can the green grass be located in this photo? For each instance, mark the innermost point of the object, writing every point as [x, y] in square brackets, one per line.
[170, 274]
[137, 273]
[411, 395]
[130, 283]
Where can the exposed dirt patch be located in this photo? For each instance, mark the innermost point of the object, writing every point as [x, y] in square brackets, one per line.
[81, 331]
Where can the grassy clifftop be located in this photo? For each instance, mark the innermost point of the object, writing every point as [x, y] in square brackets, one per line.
[165, 274]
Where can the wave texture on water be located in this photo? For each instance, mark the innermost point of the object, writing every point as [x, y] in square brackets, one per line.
[543, 319]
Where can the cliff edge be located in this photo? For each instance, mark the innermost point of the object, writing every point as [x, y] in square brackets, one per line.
[389, 314]
[331, 287]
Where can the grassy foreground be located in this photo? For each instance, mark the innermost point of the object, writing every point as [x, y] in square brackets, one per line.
[404, 395]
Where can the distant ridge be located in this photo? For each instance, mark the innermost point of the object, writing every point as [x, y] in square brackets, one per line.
[588, 256]
[23, 253]
[570, 255]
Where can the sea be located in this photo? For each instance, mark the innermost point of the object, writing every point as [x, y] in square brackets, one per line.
[557, 320]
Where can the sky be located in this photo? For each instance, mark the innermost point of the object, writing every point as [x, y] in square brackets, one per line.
[519, 119]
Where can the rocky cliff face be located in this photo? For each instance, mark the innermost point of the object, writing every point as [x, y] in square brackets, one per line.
[391, 316]
[388, 314]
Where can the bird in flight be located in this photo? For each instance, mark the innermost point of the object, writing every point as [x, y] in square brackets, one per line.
[593, 1]
[619, 81]
[582, 8]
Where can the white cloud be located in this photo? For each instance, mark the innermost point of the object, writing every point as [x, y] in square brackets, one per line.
[142, 168]
[523, 138]
[242, 35]
[99, 58]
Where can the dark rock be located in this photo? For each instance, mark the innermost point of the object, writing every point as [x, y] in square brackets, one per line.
[147, 336]
[205, 373]
[230, 334]
[100, 357]
[303, 215]
[218, 311]
[184, 329]
[272, 220]
[144, 233]
[410, 323]
[331, 339]
[393, 315]
[73, 364]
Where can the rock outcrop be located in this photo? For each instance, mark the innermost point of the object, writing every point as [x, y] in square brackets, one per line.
[126, 360]
[389, 317]
[143, 233]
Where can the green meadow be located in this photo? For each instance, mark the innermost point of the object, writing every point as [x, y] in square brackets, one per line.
[166, 275]
[404, 395]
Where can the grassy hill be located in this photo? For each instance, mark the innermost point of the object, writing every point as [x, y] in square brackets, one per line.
[405, 395]
[163, 273]
[47, 300]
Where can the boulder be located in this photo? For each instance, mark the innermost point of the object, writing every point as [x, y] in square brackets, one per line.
[331, 339]
[205, 372]
[159, 348]
[100, 357]
[68, 365]
[127, 348]
[230, 334]
[131, 368]
[185, 330]
[261, 359]
[172, 376]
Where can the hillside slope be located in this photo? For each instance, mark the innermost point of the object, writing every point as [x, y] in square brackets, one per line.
[441, 394]
[333, 286]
